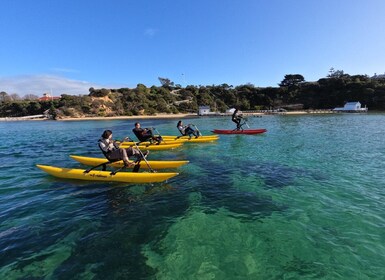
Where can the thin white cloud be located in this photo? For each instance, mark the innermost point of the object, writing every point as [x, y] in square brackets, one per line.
[39, 84]
[65, 70]
[150, 32]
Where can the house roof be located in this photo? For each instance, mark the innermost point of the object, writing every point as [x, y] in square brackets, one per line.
[231, 110]
[352, 103]
[46, 98]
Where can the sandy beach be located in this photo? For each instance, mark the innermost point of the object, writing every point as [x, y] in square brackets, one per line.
[157, 116]
[169, 116]
[181, 116]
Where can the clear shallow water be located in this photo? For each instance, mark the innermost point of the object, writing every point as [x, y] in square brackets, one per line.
[303, 201]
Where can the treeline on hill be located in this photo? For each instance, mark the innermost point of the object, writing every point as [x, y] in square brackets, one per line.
[293, 93]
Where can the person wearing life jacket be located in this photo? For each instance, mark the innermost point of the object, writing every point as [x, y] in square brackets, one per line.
[112, 151]
[145, 134]
[186, 130]
[237, 118]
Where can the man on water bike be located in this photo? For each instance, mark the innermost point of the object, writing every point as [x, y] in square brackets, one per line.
[145, 134]
[237, 118]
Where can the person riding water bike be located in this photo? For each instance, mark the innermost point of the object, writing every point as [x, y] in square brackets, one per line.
[145, 134]
[112, 151]
[237, 118]
[187, 130]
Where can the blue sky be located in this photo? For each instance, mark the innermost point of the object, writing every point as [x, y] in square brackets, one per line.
[67, 46]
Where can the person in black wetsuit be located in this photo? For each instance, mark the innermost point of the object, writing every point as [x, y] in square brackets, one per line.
[145, 134]
[237, 118]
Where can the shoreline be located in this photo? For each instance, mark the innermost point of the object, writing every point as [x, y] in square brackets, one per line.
[183, 116]
[157, 116]
[174, 116]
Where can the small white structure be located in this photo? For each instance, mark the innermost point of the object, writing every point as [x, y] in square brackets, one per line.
[230, 111]
[204, 110]
[351, 107]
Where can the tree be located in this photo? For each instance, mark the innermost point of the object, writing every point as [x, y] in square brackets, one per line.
[3, 96]
[30, 97]
[141, 89]
[18, 109]
[166, 82]
[221, 106]
[162, 106]
[292, 80]
[335, 73]
[34, 108]
[15, 97]
[99, 92]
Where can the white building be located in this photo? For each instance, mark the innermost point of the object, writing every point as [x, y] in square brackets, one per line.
[351, 107]
[204, 110]
[230, 111]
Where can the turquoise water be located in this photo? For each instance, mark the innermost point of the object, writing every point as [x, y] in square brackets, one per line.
[303, 201]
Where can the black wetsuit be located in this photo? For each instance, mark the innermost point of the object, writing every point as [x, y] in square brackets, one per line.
[143, 134]
[237, 119]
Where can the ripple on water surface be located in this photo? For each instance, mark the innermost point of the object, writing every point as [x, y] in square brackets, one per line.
[303, 201]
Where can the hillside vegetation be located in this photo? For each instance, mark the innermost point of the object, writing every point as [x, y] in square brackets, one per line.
[292, 93]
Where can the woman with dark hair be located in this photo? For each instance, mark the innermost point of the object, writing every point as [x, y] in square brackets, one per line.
[186, 130]
[112, 151]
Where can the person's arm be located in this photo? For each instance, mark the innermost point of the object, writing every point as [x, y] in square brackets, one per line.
[141, 131]
[114, 145]
[103, 147]
[148, 130]
[179, 127]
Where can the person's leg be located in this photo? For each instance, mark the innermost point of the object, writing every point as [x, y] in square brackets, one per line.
[124, 156]
[150, 132]
[194, 132]
[151, 136]
[119, 154]
[148, 136]
[189, 131]
[133, 152]
[158, 139]
[115, 155]
[238, 124]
